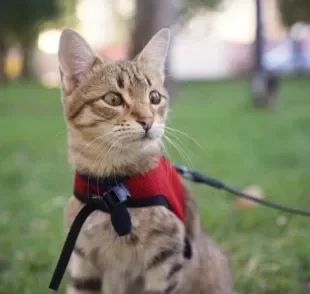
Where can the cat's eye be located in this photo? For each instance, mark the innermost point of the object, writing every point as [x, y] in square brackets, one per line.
[155, 97]
[113, 99]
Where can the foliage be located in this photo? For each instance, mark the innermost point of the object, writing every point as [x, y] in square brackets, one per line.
[189, 7]
[66, 17]
[200, 3]
[25, 17]
[291, 11]
[294, 11]
[21, 20]
[269, 250]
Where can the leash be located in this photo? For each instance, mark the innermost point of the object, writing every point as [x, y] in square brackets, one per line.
[113, 202]
[196, 177]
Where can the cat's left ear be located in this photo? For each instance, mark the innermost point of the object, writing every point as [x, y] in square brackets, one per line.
[155, 52]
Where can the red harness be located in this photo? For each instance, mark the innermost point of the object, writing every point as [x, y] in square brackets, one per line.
[146, 189]
[160, 186]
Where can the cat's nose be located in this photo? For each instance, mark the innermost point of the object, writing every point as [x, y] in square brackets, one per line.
[145, 122]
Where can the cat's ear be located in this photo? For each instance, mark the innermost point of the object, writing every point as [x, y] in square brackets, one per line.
[74, 55]
[155, 52]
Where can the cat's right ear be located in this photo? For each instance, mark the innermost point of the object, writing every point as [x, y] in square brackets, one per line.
[75, 57]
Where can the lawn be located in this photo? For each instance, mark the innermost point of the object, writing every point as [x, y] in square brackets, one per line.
[269, 250]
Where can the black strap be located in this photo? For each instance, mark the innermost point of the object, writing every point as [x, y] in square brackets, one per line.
[156, 200]
[115, 203]
[188, 252]
[69, 245]
[112, 202]
[105, 182]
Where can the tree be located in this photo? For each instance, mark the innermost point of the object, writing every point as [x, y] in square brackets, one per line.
[152, 15]
[65, 17]
[294, 11]
[28, 17]
[6, 19]
[188, 7]
[21, 22]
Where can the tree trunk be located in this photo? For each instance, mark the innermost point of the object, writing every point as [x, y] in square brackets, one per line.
[3, 52]
[27, 70]
[264, 85]
[259, 39]
[151, 16]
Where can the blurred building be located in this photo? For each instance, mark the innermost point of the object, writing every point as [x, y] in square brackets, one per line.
[212, 45]
[220, 44]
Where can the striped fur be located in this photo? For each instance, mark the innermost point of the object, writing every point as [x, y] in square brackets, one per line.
[106, 140]
[83, 278]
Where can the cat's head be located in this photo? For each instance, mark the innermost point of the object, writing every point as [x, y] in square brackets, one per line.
[115, 110]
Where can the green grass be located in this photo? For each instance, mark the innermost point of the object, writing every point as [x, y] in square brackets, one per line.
[269, 250]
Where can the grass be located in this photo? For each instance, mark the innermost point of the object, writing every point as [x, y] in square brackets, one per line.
[269, 250]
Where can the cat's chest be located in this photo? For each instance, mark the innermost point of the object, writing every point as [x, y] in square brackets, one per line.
[152, 227]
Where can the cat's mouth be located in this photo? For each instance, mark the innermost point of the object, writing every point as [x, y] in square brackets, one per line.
[147, 136]
[142, 138]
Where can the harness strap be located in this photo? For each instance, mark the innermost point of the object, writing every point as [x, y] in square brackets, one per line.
[114, 202]
[156, 200]
[69, 245]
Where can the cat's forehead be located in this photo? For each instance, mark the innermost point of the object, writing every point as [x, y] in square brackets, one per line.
[131, 74]
[131, 77]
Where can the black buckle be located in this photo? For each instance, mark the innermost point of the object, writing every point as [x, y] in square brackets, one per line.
[112, 198]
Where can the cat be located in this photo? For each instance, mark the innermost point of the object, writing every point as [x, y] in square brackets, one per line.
[110, 107]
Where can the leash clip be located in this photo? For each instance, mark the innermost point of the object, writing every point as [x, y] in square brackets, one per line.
[112, 198]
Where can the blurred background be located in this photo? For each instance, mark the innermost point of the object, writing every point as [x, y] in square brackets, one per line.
[238, 75]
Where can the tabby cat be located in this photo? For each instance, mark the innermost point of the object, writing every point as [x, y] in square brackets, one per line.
[108, 107]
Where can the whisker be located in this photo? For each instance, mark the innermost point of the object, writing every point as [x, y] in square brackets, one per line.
[95, 161]
[184, 134]
[113, 144]
[93, 141]
[183, 154]
[166, 151]
[186, 149]
[169, 171]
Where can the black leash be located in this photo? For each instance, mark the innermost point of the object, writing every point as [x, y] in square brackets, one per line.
[196, 177]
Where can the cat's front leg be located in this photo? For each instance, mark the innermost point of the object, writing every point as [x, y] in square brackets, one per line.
[83, 277]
